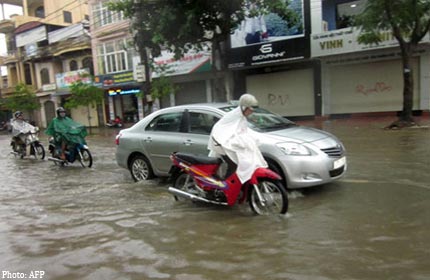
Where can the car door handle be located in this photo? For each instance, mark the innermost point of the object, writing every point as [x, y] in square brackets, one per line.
[188, 142]
[148, 139]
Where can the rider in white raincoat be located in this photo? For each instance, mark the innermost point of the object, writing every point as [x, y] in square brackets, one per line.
[230, 136]
[20, 127]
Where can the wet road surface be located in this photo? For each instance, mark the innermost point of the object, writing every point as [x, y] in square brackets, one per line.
[75, 223]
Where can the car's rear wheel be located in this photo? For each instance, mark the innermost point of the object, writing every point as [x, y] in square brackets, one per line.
[140, 168]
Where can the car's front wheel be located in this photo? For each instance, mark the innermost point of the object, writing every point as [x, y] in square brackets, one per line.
[140, 168]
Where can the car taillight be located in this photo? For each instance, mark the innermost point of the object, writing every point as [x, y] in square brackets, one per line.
[117, 139]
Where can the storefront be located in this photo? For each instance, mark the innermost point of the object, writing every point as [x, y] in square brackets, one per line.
[287, 93]
[277, 69]
[123, 98]
[366, 79]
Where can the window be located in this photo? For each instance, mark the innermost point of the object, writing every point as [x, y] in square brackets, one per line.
[115, 56]
[40, 12]
[44, 76]
[170, 122]
[201, 123]
[73, 65]
[103, 16]
[67, 16]
[27, 74]
[87, 63]
[346, 12]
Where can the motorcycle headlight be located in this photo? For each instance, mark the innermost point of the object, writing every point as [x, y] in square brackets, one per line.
[293, 149]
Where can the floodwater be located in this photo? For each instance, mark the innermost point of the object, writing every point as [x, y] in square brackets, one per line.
[76, 223]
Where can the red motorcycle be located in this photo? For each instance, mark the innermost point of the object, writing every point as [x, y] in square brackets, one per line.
[214, 180]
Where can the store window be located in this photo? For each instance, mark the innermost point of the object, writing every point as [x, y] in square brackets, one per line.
[345, 13]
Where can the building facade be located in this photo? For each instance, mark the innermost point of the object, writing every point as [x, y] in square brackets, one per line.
[48, 46]
[118, 70]
[315, 68]
[363, 79]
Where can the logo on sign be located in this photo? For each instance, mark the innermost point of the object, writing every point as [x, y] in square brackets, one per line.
[266, 48]
[266, 53]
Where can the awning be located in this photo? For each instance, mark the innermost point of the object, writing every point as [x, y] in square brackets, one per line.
[62, 92]
[45, 93]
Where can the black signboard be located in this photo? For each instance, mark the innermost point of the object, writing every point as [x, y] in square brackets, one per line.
[267, 39]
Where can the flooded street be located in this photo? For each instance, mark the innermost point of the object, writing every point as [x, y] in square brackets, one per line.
[76, 223]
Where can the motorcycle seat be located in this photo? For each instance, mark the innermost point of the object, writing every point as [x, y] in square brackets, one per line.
[198, 159]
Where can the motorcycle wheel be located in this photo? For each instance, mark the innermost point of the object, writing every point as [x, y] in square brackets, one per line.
[85, 158]
[274, 195]
[38, 151]
[185, 182]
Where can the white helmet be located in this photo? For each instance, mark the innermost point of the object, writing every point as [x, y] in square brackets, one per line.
[247, 100]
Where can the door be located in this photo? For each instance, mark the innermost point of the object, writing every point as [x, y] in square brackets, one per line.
[161, 138]
[198, 127]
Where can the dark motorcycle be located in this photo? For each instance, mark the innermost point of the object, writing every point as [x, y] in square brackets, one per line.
[27, 143]
[195, 178]
[74, 152]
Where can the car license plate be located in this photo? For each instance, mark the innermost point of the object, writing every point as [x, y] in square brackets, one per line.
[339, 163]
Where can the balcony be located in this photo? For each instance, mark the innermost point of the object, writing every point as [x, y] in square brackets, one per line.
[5, 92]
[11, 57]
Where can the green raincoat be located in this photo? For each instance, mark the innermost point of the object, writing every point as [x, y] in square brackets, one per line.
[66, 129]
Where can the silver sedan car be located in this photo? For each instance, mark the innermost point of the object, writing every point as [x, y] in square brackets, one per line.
[303, 156]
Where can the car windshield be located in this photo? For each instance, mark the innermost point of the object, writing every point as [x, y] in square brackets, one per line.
[264, 120]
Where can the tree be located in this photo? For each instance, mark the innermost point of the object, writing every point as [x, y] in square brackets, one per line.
[181, 25]
[409, 22]
[84, 94]
[22, 99]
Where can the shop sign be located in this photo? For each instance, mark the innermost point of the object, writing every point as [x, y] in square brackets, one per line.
[49, 87]
[117, 91]
[269, 39]
[116, 79]
[66, 79]
[192, 62]
[345, 41]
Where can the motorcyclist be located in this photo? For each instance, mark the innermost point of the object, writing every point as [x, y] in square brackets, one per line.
[230, 136]
[65, 131]
[20, 129]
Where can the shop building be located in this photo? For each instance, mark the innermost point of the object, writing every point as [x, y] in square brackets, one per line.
[278, 69]
[43, 42]
[118, 70]
[363, 79]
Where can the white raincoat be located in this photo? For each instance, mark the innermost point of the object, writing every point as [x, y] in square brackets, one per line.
[20, 128]
[230, 136]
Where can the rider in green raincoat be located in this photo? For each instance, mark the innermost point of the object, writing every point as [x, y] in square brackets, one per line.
[66, 131]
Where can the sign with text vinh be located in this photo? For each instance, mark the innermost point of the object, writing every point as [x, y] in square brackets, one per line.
[345, 41]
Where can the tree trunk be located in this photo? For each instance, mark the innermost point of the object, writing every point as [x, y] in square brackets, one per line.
[143, 51]
[405, 119]
[408, 86]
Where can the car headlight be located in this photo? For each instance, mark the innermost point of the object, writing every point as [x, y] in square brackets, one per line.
[293, 149]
